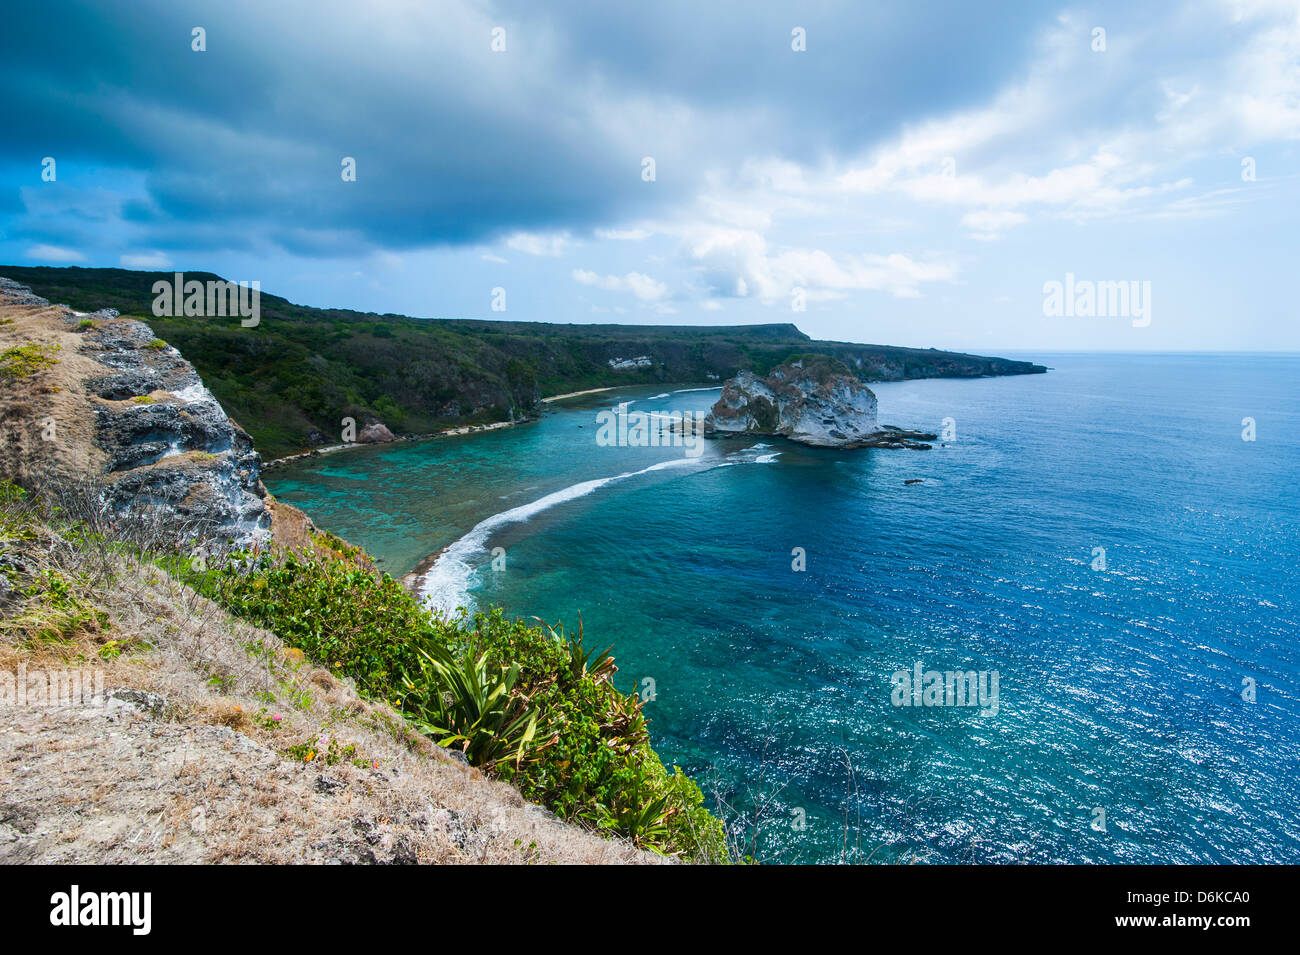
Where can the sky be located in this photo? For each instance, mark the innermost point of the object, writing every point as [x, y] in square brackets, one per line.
[911, 173]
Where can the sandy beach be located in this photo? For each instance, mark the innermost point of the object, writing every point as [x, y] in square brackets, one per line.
[446, 433]
[575, 394]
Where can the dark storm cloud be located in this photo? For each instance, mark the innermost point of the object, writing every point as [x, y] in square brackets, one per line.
[455, 143]
[867, 66]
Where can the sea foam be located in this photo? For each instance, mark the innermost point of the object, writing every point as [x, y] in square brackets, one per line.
[446, 585]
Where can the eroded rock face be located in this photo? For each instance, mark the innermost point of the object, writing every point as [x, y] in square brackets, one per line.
[169, 441]
[163, 441]
[814, 401]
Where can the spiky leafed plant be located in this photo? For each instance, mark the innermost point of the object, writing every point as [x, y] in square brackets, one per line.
[471, 705]
[643, 812]
[624, 726]
[599, 665]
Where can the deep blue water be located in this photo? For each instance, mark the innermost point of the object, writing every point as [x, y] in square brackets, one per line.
[1119, 690]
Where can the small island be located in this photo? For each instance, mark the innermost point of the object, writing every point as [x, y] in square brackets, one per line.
[811, 399]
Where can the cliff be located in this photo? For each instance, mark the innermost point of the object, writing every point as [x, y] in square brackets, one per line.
[97, 400]
[142, 721]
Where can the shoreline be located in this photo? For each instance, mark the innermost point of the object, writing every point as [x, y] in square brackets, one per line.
[411, 582]
[445, 433]
[430, 436]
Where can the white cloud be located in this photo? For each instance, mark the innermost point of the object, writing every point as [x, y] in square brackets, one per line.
[990, 223]
[54, 253]
[737, 263]
[642, 286]
[493, 258]
[1052, 145]
[535, 243]
[145, 260]
[624, 235]
[1081, 137]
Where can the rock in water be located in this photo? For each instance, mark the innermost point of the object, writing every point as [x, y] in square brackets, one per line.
[811, 399]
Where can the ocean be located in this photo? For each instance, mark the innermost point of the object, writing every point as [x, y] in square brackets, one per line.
[1107, 556]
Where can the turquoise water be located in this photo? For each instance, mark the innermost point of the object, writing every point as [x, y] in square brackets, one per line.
[1120, 690]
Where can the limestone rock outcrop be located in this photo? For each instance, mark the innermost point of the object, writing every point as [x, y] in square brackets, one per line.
[811, 399]
[123, 411]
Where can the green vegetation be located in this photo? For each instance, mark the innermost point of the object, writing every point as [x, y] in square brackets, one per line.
[54, 610]
[45, 603]
[819, 367]
[332, 756]
[23, 361]
[479, 713]
[524, 702]
[303, 370]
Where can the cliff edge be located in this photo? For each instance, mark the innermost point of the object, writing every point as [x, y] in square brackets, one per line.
[98, 399]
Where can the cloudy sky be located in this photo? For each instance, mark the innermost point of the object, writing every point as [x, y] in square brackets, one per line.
[914, 174]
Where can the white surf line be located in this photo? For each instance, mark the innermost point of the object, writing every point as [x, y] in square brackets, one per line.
[754, 455]
[682, 391]
[445, 585]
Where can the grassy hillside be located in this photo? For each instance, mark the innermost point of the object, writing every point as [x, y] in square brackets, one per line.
[290, 381]
[312, 702]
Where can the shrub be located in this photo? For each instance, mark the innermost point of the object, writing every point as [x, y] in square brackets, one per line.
[600, 767]
[55, 610]
[340, 615]
[44, 601]
[526, 702]
[23, 361]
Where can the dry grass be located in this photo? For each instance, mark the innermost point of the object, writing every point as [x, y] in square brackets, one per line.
[208, 779]
[254, 754]
[57, 394]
